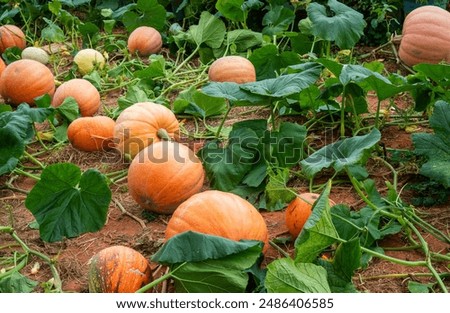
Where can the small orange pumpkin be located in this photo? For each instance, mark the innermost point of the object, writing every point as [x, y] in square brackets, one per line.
[91, 133]
[299, 210]
[25, 80]
[163, 175]
[232, 68]
[137, 126]
[144, 40]
[11, 36]
[221, 214]
[425, 36]
[84, 93]
[118, 269]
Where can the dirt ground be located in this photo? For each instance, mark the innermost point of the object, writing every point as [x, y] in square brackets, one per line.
[73, 255]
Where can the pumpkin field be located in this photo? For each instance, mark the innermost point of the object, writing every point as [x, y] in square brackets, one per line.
[243, 146]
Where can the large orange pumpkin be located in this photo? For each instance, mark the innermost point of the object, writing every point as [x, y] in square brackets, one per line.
[163, 175]
[11, 36]
[137, 126]
[25, 80]
[221, 214]
[425, 36]
[91, 133]
[232, 69]
[118, 269]
[299, 210]
[2, 66]
[144, 40]
[84, 93]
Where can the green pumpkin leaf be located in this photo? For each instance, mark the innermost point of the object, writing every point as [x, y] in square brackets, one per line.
[69, 109]
[231, 9]
[285, 147]
[144, 13]
[191, 246]
[285, 85]
[228, 274]
[207, 263]
[244, 39]
[287, 276]
[12, 148]
[227, 166]
[197, 103]
[233, 93]
[16, 130]
[341, 269]
[17, 283]
[67, 203]
[210, 31]
[336, 22]
[416, 287]
[436, 147]
[318, 232]
[269, 62]
[52, 32]
[382, 86]
[277, 20]
[341, 154]
[276, 192]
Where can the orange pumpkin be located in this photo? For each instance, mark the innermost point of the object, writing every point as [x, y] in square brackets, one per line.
[84, 93]
[232, 69]
[163, 175]
[2, 66]
[25, 80]
[221, 214]
[91, 133]
[144, 40]
[118, 269]
[11, 36]
[299, 210]
[425, 36]
[137, 126]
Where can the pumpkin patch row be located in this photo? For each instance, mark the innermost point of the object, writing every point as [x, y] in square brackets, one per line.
[164, 176]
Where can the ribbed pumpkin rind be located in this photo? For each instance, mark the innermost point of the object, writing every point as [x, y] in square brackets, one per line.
[92, 133]
[163, 175]
[118, 269]
[24, 80]
[84, 93]
[11, 36]
[425, 36]
[145, 40]
[219, 213]
[137, 126]
[232, 69]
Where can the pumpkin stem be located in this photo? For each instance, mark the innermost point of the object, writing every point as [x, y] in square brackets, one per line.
[163, 134]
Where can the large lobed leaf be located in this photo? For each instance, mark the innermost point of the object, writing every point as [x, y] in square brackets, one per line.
[436, 147]
[206, 263]
[287, 276]
[67, 203]
[210, 31]
[244, 164]
[341, 268]
[340, 154]
[344, 25]
[191, 246]
[16, 130]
